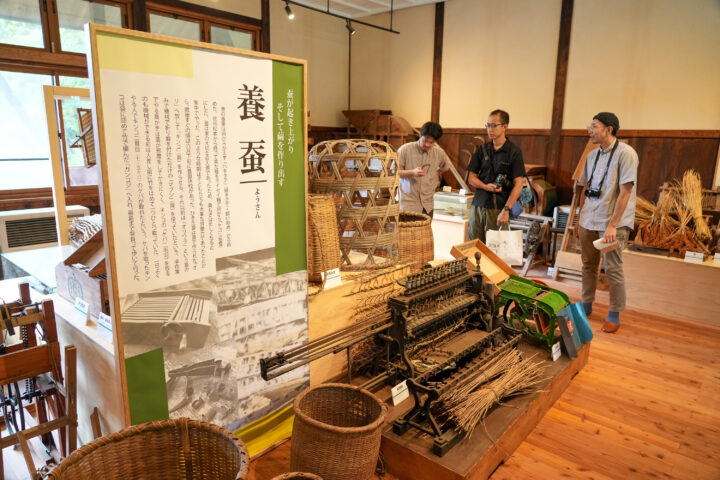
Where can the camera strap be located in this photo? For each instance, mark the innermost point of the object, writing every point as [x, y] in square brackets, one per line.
[597, 157]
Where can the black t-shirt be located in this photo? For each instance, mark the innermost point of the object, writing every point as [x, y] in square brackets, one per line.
[508, 160]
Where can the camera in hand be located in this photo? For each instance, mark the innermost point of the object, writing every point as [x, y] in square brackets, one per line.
[593, 192]
[503, 181]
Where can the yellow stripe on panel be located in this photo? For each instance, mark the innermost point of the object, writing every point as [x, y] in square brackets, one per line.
[116, 52]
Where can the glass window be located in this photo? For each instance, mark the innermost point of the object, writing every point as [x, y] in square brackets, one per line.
[24, 156]
[20, 23]
[175, 27]
[74, 14]
[231, 38]
[79, 82]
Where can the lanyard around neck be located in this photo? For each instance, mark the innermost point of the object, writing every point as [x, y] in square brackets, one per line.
[597, 157]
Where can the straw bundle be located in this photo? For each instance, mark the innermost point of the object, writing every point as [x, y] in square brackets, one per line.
[521, 377]
[676, 223]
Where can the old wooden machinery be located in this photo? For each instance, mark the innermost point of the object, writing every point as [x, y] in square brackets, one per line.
[444, 330]
[30, 356]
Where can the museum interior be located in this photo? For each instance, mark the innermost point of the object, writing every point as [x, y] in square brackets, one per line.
[473, 239]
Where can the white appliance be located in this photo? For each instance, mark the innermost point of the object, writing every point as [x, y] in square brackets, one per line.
[32, 228]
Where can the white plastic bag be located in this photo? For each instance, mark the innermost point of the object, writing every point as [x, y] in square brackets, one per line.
[507, 244]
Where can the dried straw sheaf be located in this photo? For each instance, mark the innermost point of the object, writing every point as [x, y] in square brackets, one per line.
[470, 402]
[676, 222]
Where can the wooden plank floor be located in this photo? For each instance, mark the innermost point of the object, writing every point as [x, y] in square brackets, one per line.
[647, 405]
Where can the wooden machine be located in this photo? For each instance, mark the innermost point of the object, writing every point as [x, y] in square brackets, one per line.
[37, 365]
[443, 328]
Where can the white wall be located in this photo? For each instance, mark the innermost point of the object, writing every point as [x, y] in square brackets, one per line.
[656, 63]
[322, 40]
[499, 55]
[391, 71]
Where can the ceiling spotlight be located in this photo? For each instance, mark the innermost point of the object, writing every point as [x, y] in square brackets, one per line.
[289, 11]
[349, 27]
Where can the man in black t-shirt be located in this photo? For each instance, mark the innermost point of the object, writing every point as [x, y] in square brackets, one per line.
[497, 172]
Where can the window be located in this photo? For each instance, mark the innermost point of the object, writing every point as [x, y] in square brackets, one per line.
[42, 42]
[74, 14]
[203, 27]
[24, 157]
[21, 23]
[231, 37]
[174, 27]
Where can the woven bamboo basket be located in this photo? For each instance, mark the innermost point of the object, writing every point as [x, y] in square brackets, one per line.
[297, 476]
[179, 449]
[415, 243]
[362, 177]
[336, 432]
[323, 239]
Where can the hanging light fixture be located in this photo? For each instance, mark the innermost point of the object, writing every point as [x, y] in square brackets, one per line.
[288, 10]
[348, 20]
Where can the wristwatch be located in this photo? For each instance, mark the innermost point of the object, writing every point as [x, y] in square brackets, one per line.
[506, 208]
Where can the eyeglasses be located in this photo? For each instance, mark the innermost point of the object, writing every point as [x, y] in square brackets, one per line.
[493, 125]
[593, 127]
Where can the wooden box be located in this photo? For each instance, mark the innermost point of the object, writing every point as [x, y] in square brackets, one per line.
[83, 275]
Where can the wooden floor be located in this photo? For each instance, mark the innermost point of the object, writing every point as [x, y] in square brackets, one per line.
[647, 405]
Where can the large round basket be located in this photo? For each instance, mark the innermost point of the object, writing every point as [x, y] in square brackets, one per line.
[416, 238]
[362, 177]
[336, 432]
[323, 239]
[297, 476]
[179, 449]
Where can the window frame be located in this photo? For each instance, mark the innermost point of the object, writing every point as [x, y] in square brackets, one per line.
[186, 12]
[52, 60]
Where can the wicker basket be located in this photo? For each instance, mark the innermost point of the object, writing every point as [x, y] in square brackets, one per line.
[416, 238]
[323, 239]
[297, 476]
[167, 449]
[336, 432]
[362, 177]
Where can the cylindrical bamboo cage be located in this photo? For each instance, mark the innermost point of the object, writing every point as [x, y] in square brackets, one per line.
[362, 177]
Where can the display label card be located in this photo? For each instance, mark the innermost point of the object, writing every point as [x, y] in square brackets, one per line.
[332, 278]
[400, 392]
[717, 258]
[694, 257]
[556, 352]
[82, 306]
[105, 321]
[447, 188]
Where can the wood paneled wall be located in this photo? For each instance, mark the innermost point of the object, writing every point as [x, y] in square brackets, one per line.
[663, 154]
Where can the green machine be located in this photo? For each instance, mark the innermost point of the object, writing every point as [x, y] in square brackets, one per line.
[531, 307]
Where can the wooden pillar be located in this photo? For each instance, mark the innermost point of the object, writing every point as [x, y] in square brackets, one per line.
[553, 159]
[265, 32]
[437, 61]
[139, 15]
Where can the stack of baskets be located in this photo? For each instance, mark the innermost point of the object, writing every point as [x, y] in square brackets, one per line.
[361, 175]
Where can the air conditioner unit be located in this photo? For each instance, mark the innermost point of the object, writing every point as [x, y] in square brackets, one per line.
[32, 228]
